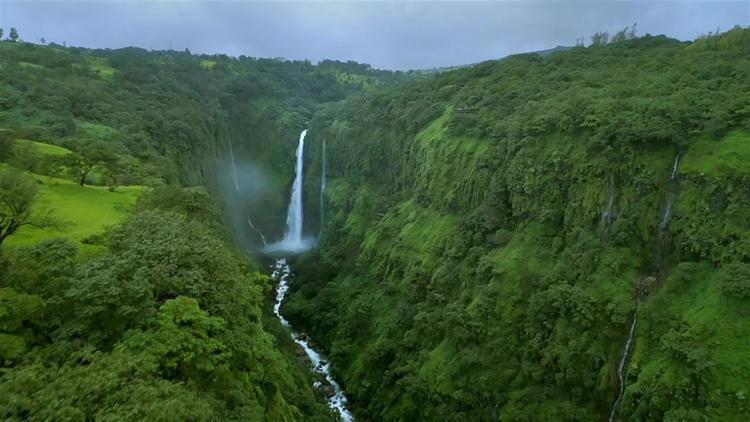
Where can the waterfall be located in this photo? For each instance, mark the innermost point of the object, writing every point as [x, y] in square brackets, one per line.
[293, 233]
[666, 215]
[293, 241]
[621, 366]
[608, 214]
[337, 400]
[234, 167]
[674, 167]
[322, 189]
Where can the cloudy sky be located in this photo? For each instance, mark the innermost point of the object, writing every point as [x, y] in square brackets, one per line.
[386, 34]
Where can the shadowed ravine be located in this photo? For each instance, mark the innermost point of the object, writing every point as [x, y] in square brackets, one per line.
[293, 242]
[337, 399]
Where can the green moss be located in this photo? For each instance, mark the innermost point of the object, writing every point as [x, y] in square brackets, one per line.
[99, 65]
[208, 64]
[717, 158]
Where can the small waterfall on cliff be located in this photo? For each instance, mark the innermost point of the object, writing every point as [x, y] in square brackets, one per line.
[234, 167]
[643, 286]
[322, 189]
[666, 215]
[260, 233]
[293, 241]
[337, 400]
[608, 214]
[621, 365]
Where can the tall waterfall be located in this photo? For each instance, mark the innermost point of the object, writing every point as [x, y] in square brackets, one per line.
[293, 241]
[322, 189]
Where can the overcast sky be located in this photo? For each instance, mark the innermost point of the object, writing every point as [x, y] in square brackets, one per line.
[392, 35]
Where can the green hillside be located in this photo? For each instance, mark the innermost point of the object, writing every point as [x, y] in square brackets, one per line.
[489, 237]
[492, 232]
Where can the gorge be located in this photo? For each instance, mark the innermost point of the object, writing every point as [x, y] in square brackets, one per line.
[548, 236]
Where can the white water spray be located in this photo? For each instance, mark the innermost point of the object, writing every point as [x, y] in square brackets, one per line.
[337, 401]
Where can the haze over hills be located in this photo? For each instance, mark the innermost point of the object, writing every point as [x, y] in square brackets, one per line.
[560, 235]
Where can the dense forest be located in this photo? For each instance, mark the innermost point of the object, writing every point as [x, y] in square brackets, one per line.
[493, 231]
[123, 294]
[490, 237]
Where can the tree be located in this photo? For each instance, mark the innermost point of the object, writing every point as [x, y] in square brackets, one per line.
[86, 156]
[600, 38]
[13, 35]
[6, 144]
[1, 34]
[17, 195]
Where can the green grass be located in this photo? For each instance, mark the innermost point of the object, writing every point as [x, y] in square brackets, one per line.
[100, 65]
[208, 64]
[86, 211]
[694, 297]
[726, 156]
[97, 130]
[30, 65]
[43, 148]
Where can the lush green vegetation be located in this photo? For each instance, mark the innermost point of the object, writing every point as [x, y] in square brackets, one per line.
[121, 296]
[491, 232]
[166, 324]
[490, 228]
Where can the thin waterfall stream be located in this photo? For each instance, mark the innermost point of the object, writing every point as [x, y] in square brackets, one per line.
[665, 216]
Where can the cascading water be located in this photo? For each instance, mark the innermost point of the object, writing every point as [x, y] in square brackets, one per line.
[608, 214]
[322, 189]
[293, 241]
[621, 366]
[294, 213]
[260, 233]
[337, 400]
[234, 167]
[664, 216]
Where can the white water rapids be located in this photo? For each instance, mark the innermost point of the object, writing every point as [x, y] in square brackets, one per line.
[337, 400]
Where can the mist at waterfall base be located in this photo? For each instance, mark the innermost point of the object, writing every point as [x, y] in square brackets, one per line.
[293, 240]
[248, 198]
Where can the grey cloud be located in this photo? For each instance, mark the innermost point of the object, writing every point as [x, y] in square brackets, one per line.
[396, 35]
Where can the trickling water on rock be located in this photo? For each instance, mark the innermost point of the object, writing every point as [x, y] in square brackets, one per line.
[234, 167]
[608, 214]
[666, 215]
[646, 283]
[337, 401]
[621, 365]
[322, 189]
[260, 233]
